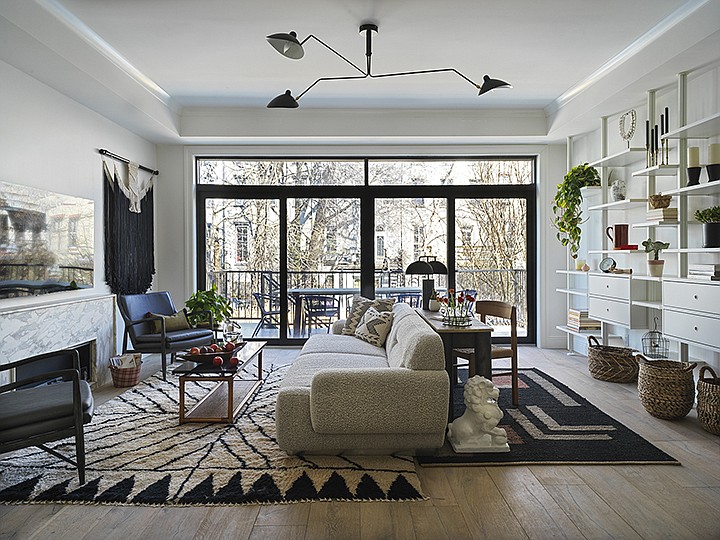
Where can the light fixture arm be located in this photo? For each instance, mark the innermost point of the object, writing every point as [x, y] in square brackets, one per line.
[420, 71]
[341, 78]
[321, 42]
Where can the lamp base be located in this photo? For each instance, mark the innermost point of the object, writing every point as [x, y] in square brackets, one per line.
[428, 285]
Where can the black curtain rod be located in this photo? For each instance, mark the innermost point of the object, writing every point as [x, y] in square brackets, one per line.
[125, 160]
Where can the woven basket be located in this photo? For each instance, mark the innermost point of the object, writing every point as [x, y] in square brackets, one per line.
[708, 401]
[613, 364]
[666, 387]
[125, 377]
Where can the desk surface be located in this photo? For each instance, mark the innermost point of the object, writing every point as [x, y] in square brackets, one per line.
[434, 319]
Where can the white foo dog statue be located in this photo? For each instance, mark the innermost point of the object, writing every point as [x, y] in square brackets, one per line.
[476, 430]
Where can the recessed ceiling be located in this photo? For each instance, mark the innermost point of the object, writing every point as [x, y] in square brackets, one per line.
[214, 52]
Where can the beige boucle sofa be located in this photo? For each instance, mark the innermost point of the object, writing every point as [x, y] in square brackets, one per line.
[343, 395]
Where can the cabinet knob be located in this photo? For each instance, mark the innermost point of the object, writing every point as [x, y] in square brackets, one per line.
[695, 328]
[695, 296]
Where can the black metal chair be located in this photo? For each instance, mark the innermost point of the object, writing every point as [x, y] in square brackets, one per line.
[269, 306]
[413, 299]
[320, 311]
[139, 327]
[33, 412]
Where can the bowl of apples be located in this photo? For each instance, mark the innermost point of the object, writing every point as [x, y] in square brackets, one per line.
[208, 354]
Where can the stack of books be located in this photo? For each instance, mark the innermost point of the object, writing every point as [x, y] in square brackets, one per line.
[662, 214]
[578, 320]
[709, 272]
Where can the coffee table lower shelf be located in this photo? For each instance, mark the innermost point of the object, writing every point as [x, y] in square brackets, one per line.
[222, 403]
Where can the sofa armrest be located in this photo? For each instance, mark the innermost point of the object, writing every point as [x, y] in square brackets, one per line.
[382, 400]
[337, 326]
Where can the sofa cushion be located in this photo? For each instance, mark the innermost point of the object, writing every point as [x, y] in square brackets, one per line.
[374, 326]
[337, 344]
[176, 321]
[359, 307]
[416, 345]
[302, 371]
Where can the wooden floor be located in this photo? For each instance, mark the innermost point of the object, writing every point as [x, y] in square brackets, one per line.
[651, 501]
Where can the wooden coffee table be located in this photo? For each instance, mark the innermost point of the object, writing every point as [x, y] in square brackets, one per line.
[223, 402]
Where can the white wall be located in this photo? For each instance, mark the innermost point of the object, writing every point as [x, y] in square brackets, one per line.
[49, 141]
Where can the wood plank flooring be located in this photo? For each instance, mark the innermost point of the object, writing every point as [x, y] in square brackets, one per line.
[611, 501]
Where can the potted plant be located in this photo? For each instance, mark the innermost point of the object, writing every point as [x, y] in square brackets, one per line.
[655, 265]
[710, 218]
[202, 304]
[566, 205]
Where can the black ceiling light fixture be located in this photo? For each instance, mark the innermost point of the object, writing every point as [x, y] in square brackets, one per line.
[289, 45]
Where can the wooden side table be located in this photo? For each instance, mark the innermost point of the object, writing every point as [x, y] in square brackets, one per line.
[477, 336]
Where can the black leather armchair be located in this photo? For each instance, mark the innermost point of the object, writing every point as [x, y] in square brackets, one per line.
[134, 309]
[33, 413]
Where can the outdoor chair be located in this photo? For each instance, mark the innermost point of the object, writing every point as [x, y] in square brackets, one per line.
[269, 306]
[320, 311]
[33, 412]
[412, 299]
[139, 311]
[502, 310]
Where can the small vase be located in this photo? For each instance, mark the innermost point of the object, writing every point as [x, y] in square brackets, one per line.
[713, 172]
[693, 176]
[618, 190]
[655, 268]
[434, 305]
[457, 317]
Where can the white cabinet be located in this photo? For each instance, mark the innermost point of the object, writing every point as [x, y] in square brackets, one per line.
[692, 296]
[694, 328]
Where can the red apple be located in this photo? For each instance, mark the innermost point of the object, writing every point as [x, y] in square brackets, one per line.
[215, 347]
[234, 361]
[204, 350]
[217, 361]
[229, 346]
[194, 351]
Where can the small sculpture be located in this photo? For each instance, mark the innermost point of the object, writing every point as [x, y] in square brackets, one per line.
[476, 430]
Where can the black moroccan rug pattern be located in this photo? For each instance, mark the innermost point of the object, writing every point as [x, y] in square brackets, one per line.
[138, 453]
[553, 425]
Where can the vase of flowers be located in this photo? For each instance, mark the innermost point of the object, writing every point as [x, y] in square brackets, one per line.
[458, 308]
[434, 304]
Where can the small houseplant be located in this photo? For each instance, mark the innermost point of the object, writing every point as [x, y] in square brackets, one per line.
[655, 265]
[203, 303]
[710, 218]
[567, 205]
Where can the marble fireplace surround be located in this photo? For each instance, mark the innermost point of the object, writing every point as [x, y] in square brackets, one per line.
[36, 329]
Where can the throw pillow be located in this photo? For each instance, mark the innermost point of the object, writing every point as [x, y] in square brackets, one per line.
[359, 306]
[374, 326]
[176, 321]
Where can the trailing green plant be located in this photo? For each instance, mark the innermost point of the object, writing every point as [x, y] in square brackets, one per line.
[202, 302]
[655, 247]
[567, 205]
[708, 215]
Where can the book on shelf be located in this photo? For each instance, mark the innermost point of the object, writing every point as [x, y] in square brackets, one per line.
[578, 320]
[704, 277]
[704, 267]
[704, 272]
[662, 213]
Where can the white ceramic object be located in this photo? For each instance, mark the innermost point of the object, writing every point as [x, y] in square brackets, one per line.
[476, 430]
[655, 268]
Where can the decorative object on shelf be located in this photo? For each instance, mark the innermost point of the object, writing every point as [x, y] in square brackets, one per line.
[655, 265]
[618, 188]
[710, 218]
[654, 344]
[579, 263]
[289, 46]
[476, 430]
[656, 151]
[708, 401]
[620, 240]
[713, 166]
[585, 267]
[458, 308]
[434, 304]
[201, 303]
[607, 265]
[666, 387]
[567, 205]
[693, 165]
[428, 266]
[659, 201]
[627, 132]
[612, 364]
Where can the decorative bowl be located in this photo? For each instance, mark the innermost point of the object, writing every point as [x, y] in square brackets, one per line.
[208, 357]
[659, 201]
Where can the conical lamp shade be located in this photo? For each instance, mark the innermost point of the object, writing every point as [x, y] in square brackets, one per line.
[491, 84]
[287, 45]
[283, 101]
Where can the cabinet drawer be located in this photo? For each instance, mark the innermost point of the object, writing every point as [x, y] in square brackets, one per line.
[692, 327]
[609, 310]
[610, 286]
[693, 296]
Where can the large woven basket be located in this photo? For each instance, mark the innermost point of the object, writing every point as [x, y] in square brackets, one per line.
[708, 401]
[666, 387]
[613, 364]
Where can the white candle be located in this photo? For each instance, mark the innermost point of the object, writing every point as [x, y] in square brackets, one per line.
[714, 154]
[693, 156]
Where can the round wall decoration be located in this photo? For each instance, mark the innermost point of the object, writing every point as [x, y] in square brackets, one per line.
[627, 133]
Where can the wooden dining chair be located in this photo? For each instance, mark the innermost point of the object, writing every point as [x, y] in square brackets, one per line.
[502, 310]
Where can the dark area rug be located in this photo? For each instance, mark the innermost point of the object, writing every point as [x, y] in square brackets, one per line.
[139, 454]
[553, 425]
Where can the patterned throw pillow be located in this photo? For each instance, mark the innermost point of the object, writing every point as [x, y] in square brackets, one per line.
[359, 306]
[176, 321]
[374, 326]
